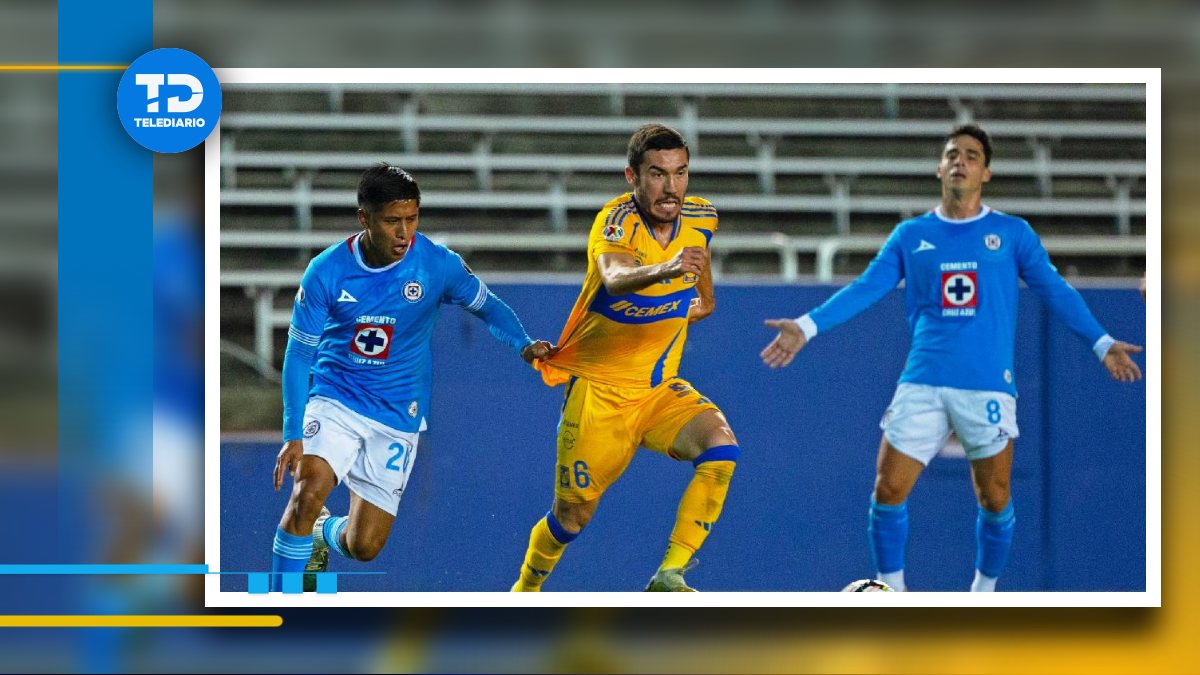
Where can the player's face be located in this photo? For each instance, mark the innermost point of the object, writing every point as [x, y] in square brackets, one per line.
[390, 231]
[661, 184]
[962, 167]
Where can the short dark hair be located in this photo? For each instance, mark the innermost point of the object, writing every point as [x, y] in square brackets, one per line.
[974, 131]
[653, 137]
[383, 184]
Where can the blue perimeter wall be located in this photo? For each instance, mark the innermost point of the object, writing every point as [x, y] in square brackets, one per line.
[795, 518]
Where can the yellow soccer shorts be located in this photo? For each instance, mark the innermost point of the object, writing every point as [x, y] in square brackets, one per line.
[602, 426]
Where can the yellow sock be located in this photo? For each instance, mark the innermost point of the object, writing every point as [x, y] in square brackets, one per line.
[699, 509]
[543, 553]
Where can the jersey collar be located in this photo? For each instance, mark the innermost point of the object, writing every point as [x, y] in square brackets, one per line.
[356, 248]
[650, 230]
[984, 209]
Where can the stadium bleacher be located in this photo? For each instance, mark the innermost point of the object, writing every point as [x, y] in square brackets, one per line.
[808, 178]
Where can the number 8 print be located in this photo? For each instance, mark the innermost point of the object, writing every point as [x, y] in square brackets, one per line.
[993, 411]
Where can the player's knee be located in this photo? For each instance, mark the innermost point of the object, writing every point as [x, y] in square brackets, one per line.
[364, 549]
[994, 496]
[573, 516]
[305, 505]
[889, 490]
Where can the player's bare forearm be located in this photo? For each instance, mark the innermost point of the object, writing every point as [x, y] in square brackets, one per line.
[622, 275]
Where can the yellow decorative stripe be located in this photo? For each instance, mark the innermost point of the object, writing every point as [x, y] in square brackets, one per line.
[56, 66]
[140, 621]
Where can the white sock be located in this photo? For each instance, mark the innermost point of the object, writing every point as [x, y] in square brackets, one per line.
[983, 583]
[893, 579]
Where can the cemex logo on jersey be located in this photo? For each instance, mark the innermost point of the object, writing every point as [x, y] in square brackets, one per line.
[169, 100]
[372, 342]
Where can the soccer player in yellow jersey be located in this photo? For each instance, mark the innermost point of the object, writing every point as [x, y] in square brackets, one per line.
[648, 278]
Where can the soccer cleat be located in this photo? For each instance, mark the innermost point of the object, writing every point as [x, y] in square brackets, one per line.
[671, 580]
[319, 560]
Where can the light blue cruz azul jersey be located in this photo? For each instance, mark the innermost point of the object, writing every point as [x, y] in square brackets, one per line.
[364, 333]
[961, 281]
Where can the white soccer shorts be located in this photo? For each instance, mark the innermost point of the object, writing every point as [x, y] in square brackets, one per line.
[920, 418]
[374, 460]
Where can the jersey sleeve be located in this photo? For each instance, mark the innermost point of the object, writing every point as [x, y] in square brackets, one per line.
[309, 312]
[880, 277]
[1034, 266]
[462, 288]
[613, 230]
[704, 217]
[310, 308]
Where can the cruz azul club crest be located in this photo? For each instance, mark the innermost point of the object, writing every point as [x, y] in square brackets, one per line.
[960, 289]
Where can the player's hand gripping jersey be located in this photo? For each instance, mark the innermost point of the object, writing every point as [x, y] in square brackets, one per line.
[633, 340]
[961, 292]
[371, 327]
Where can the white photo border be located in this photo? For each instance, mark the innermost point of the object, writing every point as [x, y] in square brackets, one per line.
[1151, 597]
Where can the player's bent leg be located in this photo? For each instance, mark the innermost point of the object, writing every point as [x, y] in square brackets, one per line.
[366, 530]
[887, 528]
[549, 538]
[293, 545]
[996, 522]
[708, 442]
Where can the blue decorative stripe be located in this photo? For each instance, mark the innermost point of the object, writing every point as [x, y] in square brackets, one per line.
[876, 506]
[1004, 516]
[558, 531]
[698, 207]
[719, 453]
[640, 309]
[626, 214]
[626, 207]
[57, 569]
[656, 377]
[707, 234]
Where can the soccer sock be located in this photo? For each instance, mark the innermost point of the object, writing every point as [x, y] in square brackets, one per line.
[993, 537]
[701, 504]
[547, 541]
[888, 531]
[289, 554]
[332, 531]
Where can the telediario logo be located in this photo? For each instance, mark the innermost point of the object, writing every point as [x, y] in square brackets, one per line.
[169, 100]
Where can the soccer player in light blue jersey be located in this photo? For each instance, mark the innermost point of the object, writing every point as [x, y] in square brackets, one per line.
[960, 263]
[357, 372]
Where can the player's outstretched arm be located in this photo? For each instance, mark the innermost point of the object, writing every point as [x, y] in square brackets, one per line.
[288, 460]
[786, 344]
[1120, 365]
[622, 275]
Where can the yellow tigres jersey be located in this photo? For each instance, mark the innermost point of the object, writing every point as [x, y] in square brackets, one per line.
[633, 340]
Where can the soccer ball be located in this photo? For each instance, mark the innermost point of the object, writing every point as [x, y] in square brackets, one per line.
[867, 586]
